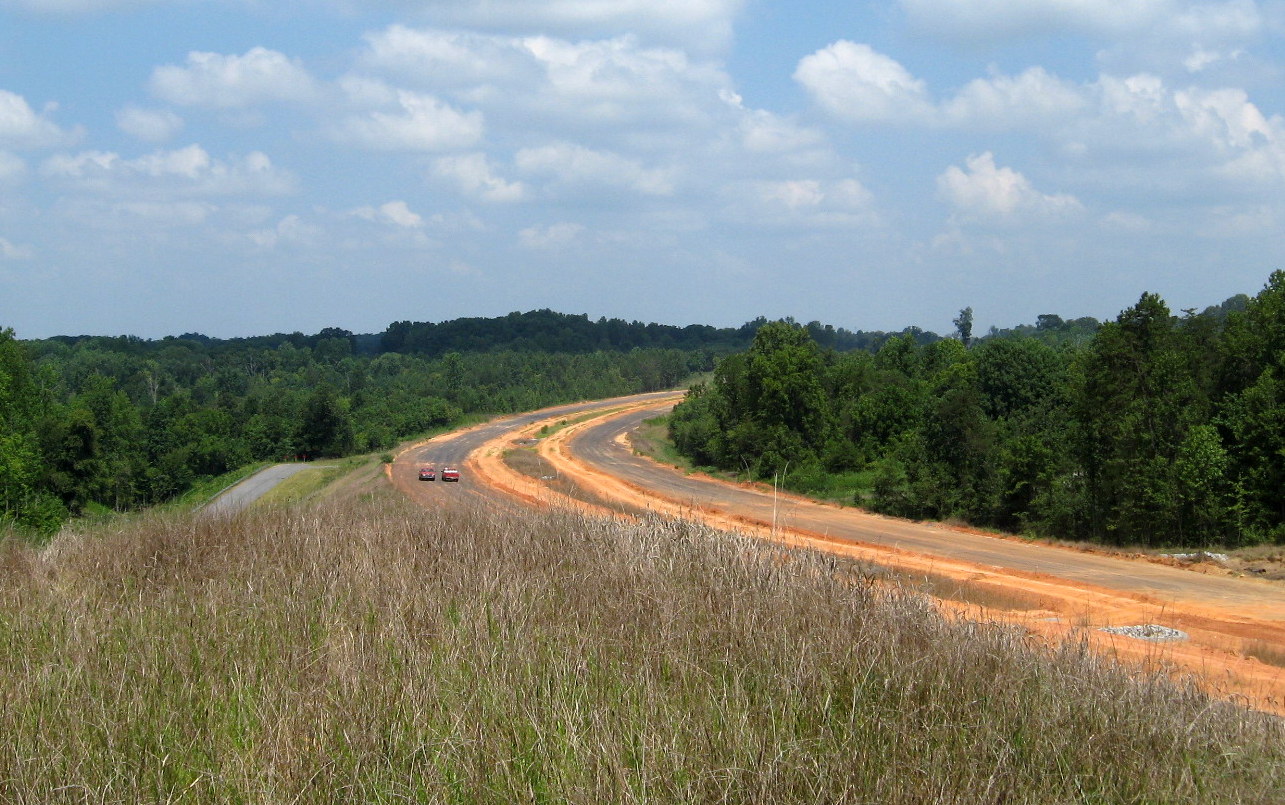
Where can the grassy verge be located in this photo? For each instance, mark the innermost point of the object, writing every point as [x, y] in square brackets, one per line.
[309, 483]
[549, 430]
[375, 652]
[651, 439]
[207, 489]
[530, 463]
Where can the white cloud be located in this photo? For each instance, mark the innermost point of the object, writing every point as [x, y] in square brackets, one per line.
[1165, 139]
[855, 82]
[22, 127]
[844, 195]
[1201, 59]
[474, 174]
[418, 123]
[802, 204]
[544, 81]
[185, 171]
[1192, 136]
[397, 213]
[151, 125]
[609, 71]
[1200, 38]
[553, 236]
[1229, 21]
[793, 194]
[447, 58]
[617, 84]
[1224, 116]
[12, 251]
[763, 132]
[1033, 98]
[290, 230]
[570, 164]
[1166, 36]
[987, 193]
[1140, 97]
[698, 25]
[234, 82]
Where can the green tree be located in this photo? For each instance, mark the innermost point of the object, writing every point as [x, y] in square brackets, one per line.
[22, 498]
[1138, 403]
[784, 379]
[1255, 420]
[964, 325]
[324, 426]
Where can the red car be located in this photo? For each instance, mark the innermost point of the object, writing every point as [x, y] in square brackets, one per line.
[450, 474]
[428, 474]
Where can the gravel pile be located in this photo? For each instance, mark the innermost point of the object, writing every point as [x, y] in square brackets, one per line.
[1199, 556]
[1148, 631]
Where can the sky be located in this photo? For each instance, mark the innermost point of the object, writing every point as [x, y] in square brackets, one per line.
[245, 167]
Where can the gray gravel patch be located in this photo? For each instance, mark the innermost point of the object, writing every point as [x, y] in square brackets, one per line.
[1147, 631]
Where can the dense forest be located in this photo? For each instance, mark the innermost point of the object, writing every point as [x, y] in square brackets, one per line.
[91, 422]
[1153, 429]
[547, 331]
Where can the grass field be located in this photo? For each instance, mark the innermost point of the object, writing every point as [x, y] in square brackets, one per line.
[371, 651]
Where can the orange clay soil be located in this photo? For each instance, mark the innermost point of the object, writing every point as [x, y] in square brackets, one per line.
[1212, 656]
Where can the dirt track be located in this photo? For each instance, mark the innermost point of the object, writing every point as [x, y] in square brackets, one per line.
[1057, 593]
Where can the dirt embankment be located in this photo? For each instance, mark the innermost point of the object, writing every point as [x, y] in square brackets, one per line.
[1216, 651]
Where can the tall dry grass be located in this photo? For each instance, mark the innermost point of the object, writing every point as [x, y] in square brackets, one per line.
[376, 652]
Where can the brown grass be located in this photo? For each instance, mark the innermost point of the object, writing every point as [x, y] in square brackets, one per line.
[376, 652]
[1266, 652]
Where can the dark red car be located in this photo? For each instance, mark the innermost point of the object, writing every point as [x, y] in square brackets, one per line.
[427, 474]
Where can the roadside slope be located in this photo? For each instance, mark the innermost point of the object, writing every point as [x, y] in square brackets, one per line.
[240, 496]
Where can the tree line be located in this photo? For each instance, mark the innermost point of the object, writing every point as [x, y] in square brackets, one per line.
[1153, 429]
[122, 423]
[548, 331]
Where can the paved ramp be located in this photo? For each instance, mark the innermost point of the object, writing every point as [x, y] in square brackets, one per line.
[237, 498]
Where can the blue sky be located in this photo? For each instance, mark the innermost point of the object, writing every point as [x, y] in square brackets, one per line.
[239, 167]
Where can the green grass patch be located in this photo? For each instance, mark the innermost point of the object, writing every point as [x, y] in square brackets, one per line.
[562, 424]
[845, 488]
[207, 489]
[651, 439]
[312, 482]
